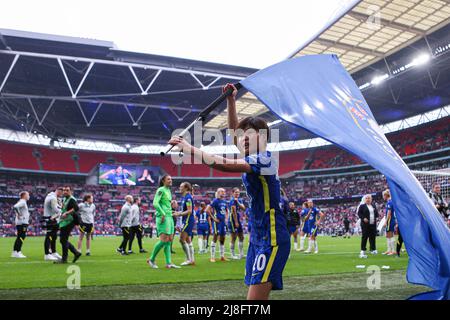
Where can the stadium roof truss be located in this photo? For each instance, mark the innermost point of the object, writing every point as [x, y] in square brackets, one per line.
[374, 29]
[38, 139]
[100, 98]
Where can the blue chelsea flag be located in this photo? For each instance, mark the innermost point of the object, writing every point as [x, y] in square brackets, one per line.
[316, 93]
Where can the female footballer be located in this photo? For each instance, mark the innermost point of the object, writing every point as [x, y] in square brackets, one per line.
[270, 242]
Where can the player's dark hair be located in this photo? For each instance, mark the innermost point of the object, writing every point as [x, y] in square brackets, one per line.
[234, 189]
[161, 181]
[87, 197]
[22, 194]
[255, 123]
[136, 199]
[59, 189]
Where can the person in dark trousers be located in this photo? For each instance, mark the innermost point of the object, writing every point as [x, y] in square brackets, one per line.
[136, 227]
[399, 241]
[125, 224]
[69, 219]
[368, 214]
[22, 222]
[52, 213]
[346, 227]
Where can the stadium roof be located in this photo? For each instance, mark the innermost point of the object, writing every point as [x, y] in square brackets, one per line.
[72, 88]
[375, 29]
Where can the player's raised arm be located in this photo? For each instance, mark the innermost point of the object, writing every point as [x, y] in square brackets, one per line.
[231, 107]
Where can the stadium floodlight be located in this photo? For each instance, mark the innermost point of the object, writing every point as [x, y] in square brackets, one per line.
[365, 85]
[270, 124]
[420, 59]
[378, 79]
[128, 146]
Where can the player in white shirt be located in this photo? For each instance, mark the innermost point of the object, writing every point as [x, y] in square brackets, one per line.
[87, 214]
[22, 220]
[52, 213]
[136, 227]
[125, 224]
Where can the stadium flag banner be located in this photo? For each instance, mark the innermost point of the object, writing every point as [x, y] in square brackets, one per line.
[316, 93]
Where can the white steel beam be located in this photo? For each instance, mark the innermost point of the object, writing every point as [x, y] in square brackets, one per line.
[41, 120]
[119, 63]
[13, 63]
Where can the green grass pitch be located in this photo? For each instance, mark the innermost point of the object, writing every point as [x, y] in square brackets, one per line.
[331, 274]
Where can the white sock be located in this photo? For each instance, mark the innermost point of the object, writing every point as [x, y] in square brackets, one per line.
[393, 249]
[310, 242]
[316, 245]
[302, 243]
[388, 244]
[222, 250]
[296, 242]
[213, 250]
[186, 251]
[232, 249]
[200, 244]
[241, 248]
[191, 251]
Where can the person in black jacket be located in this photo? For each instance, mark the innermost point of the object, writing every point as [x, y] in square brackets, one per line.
[69, 219]
[438, 200]
[368, 214]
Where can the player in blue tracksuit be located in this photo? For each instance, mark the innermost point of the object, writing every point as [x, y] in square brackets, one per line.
[305, 230]
[188, 221]
[203, 227]
[315, 218]
[218, 211]
[235, 224]
[269, 246]
[390, 223]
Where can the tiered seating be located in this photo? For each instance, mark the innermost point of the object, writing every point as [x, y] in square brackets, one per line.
[292, 161]
[195, 170]
[18, 156]
[57, 160]
[428, 137]
[88, 160]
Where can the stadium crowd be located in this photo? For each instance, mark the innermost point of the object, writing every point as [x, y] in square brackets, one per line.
[109, 199]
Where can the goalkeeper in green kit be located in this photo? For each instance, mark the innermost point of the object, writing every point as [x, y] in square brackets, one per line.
[164, 222]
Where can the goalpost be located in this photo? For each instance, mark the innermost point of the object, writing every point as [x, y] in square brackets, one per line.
[428, 178]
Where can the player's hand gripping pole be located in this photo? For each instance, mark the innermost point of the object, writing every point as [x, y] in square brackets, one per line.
[202, 116]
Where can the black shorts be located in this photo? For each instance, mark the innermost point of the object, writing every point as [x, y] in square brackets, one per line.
[86, 227]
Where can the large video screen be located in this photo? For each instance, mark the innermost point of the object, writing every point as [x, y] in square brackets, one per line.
[128, 175]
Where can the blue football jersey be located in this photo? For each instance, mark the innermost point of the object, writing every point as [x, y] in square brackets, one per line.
[390, 206]
[312, 218]
[234, 203]
[220, 209]
[269, 225]
[202, 217]
[187, 199]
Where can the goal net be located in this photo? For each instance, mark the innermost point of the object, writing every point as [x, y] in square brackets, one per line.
[428, 178]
